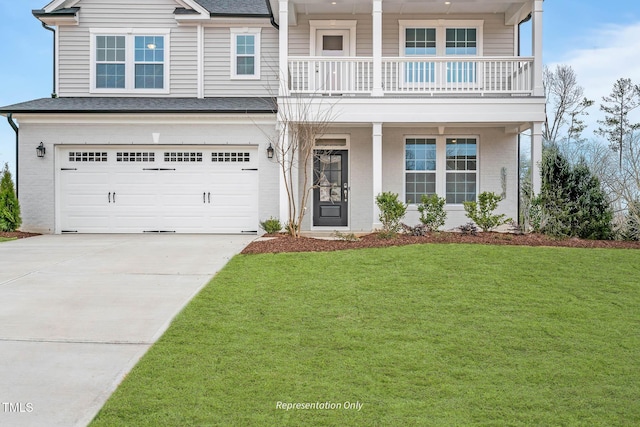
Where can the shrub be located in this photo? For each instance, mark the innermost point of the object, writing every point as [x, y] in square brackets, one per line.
[571, 200]
[468, 228]
[432, 213]
[392, 210]
[10, 219]
[271, 225]
[481, 212]
[419, 230]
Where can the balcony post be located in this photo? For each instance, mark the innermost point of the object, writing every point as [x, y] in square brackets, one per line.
[538, 88]
[376, 167]
[377, 48]
[283, 66]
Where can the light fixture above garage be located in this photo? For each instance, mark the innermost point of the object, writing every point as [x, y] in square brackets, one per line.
[270, 151]
[41, 150]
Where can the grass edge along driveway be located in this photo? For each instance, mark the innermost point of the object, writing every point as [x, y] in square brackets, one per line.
[415, 335]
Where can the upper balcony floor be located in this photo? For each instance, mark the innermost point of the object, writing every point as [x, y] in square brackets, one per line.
[377, 48]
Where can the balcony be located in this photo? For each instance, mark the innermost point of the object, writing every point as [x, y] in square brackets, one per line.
[477, 76]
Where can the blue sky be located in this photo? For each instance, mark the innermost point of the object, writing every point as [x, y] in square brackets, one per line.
[599, 39]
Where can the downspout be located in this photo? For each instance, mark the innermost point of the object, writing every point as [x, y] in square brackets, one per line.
[17, 131]
[46, 27]
[272, 18]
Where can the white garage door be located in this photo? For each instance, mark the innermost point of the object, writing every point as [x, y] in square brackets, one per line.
[138, 189]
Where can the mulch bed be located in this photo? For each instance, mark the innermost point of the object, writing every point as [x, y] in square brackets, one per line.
[16, 234]
[284, 243]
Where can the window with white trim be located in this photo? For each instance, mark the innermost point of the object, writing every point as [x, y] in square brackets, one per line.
[424, 39]
[420, 168]
[126, 61]
[245, 53]
[446, 166]
[461, 175]
[110, 62]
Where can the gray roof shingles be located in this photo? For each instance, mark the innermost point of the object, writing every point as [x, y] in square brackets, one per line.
[236, 7]
[143, 105]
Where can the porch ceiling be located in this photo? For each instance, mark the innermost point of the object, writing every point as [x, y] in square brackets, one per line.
[406, 7]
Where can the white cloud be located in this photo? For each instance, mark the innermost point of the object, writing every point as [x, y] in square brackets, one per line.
[610, 53]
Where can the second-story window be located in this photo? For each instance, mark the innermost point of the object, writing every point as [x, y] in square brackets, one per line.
[110, 62]
[427, 40]
[245, 53]
[129, 61]
[149, 62]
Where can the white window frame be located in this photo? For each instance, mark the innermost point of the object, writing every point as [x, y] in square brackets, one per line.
[130, 35]
[441, 26]
[441, 165]
[235, 32]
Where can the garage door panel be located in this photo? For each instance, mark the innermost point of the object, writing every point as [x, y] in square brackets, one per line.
[182, 189]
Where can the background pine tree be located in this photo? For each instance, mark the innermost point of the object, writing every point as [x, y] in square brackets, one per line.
[10, 219]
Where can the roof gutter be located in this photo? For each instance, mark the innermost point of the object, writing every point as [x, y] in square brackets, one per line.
[17, 131]
[46, 27]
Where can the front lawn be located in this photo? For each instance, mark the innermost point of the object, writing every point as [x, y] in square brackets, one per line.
[418, 335]
[6, 239]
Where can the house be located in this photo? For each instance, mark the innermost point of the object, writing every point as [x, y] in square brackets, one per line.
[164, 110]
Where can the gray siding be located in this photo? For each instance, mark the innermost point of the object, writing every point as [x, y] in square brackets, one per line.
[498, 38]
[217, 66]
[74, 42]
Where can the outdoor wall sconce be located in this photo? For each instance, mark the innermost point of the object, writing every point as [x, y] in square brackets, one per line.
[41, 150]
[270, 151]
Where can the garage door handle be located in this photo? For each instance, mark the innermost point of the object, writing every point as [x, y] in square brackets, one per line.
[204, 197]
[109, 196]
[114, 197]
[209, 197]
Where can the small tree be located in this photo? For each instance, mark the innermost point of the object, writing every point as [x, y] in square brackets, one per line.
[10, 218]
[432, 213]
[616, 126]
[631, 227]
[392, 210]
[481, 212]
[301, 123]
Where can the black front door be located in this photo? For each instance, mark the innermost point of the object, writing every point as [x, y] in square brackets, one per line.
[331, 189]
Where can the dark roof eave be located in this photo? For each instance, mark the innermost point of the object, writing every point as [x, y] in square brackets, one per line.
[125, 111]
[40, 13]
[239, 15]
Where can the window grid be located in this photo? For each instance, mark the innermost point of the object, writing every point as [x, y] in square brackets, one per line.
[245, 54]
[461, 41]
[87, 156]
[420, 168]
[110, 62]
[135, 157]
[461, 166]
[230, 157]
[149, 62]
[182, 157]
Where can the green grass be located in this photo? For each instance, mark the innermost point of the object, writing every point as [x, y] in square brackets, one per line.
[437, 335]
[6, 239]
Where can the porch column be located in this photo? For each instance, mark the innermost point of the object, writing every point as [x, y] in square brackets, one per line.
[283, 151]
[283, 22]
[536, 156]
[376, 166]
[538, 89]
[377, 48]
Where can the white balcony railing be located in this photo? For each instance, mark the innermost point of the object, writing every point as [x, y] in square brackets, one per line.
[437, 75]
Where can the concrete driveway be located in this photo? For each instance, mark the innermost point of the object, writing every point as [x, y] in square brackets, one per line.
[78, 311]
